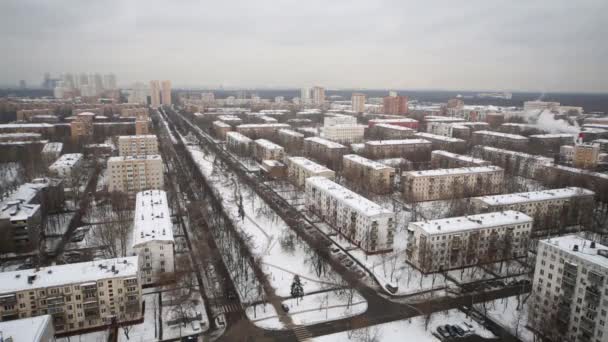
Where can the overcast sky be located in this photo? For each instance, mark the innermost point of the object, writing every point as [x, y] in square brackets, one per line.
[543, 45]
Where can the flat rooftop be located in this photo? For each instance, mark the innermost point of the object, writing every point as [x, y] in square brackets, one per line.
[325, 142]
[69, 160]
[534, 196]
[398, 142]
[59, 275]
[309, 165]
[152, 218]
[349, 198]
[366, 162]
[566, 243]
[438, 137]
[501, 135]
[238, 136]
[267, 144]
[459, 157]
[473, 222]
[134, 158]
[453, 172]
[516, 153]
[28, 329]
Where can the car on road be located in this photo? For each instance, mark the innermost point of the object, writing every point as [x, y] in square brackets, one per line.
[451, 330]
[459, 330]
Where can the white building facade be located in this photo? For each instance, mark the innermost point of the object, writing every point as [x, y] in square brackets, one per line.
[300, 168]
[133, 174]
[137, 145]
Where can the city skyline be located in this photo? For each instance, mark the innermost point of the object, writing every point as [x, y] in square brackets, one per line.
[400, 46]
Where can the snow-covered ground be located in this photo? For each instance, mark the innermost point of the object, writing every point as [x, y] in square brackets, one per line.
[325, 306]
[189, 309]
[264, 316]
[149, 329]
[407, 330]
[282, 253]
[97, 336]
[511, 313]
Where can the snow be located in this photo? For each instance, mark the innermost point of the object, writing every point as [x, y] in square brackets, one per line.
[53, 147]
[268, 145]
[366, 162]
[398, 142]
[152, 218]
[347, 197]
[585, 252]
[66, 161]
[221, 124]
[25, 329]
[459, 157]
[394, 127]
[534, 196]
[471, 222]
[148, 330]
[324, 142]
[308, 165]
[407, 330]
[67, 274]
[264, 125]
[325, 306]
[291, 133]
[96, 336]
[191, 307]
[501, 135]
[438, 137]
[452, 172]
[507, 313]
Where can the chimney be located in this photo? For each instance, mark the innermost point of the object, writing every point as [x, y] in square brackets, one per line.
[575, 248]
[592, 244]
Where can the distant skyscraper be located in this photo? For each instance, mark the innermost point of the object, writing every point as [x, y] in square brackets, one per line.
[395, 105]
[22, 84]
[109, 81]
[305, 95]
[98, 83]
[83, 80]
[155, 94]
[166, 92]
[46, 83]
[318, 96]
[358, 102]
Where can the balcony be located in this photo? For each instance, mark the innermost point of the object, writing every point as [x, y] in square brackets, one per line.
[10, 299]
[595, 279]
[91, 305]
[91, 313]
[587, 325]
[592, 295]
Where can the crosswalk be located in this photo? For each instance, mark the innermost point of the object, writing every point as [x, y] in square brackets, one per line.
[302, 334]
[232, 307]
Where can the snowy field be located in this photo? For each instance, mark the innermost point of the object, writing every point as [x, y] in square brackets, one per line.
[511, 313]
[97, 336]
[146, 331]
[407, 330]
[325, 306]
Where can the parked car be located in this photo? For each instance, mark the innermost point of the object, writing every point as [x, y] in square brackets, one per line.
[451, 330]
[459, 330]
[443, 332]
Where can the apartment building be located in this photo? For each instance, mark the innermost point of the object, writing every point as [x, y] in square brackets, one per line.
[165, 92]
[549, 144]
[153, 237]
[455, 129]
[267, 150]
[415, 150]
[404, 122]
[368, 175]
[292, 141]
[67, 165]
[32, 329]
[520, 129]
[137, 145]
[261, 131]
[239, 144]
[395, 105]
[562, 176]
[318, 96]
[345, 134]
[551, 209]
[51, 152]
[155, 94]
[82, 126]
[514, 162]
[78, 296]
[447, 160]
[220, 129]
[20, 220]
[569, 301]
[457, 242]
[540, 105]
[46, 130]
[440, 142]
[142, 126]
[134, 174]
[501, 140]
[390, 132]
[440, 184]
[325, 151]
[363, 222]
[586, 155]
[231, 120]
[358, 102]
[300, 168]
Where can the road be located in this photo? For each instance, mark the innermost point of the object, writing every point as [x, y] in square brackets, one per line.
[380, 309]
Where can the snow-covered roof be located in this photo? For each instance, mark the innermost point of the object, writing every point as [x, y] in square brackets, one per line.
[291, 133]
[16, 206]
[67, 160]
[60, 275]
[516, 153]
[566, 243]
[388, 121]
[552, 136]
[229, 118]
[502, 135]
[438, 137]
[238, 137]
[264, 125]
[434, 118]
[132, 158]
[366, 162]
[392, 162]
[221, 124]
[136, 137]
[272, 163]
[325, 142]
[349, 198]
[452, 172]
[398, 142]
[535, 196]
[459, 157]
[580, 171]
[309, 165]
[28, 125]
[152, 218]
[30, 329]
[473, 222]
[267, 144]
[52, 147]
[20, 136]
[600, 126]
[394, 127]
